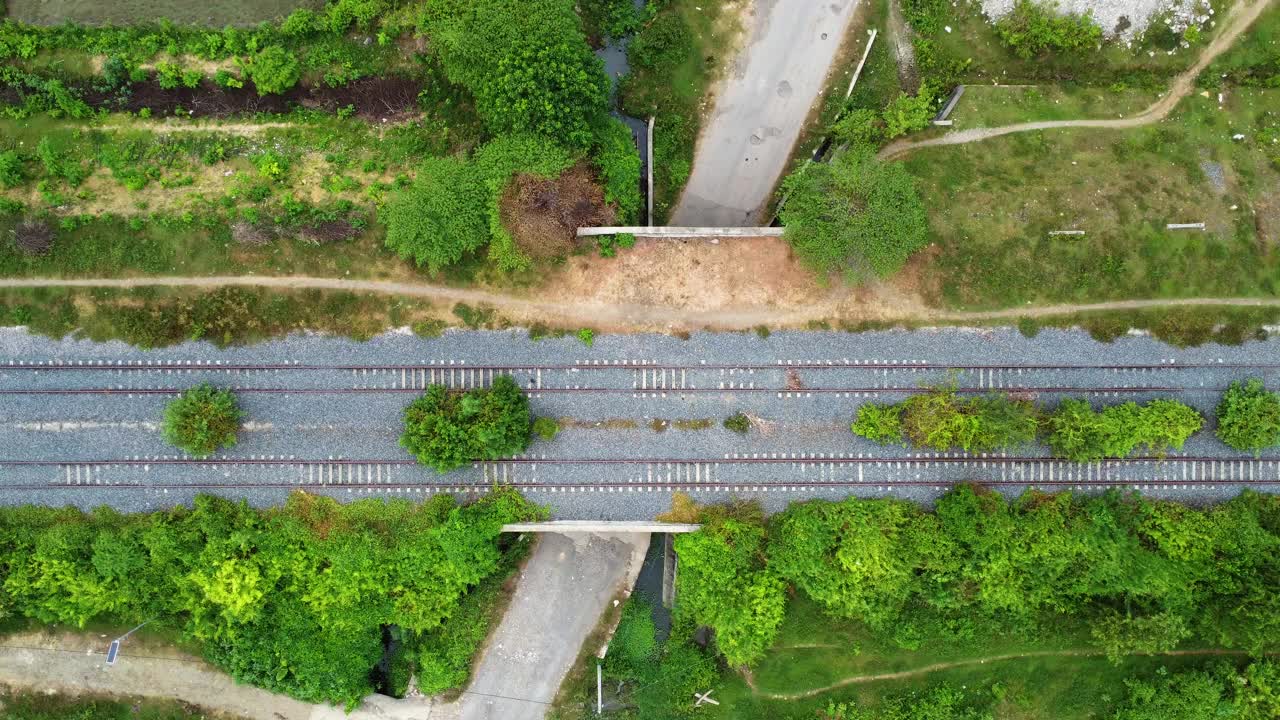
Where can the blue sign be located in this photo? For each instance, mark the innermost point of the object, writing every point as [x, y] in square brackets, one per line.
[113, 652]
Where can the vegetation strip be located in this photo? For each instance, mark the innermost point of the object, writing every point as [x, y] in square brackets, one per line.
[901, 674]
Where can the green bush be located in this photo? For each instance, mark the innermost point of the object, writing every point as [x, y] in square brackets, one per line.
[546, 428]
[1249, 417]
[860, 127]
[854, 215]
[446, 430]
[879, 423]
[274, 70]
[1033, 29]
[619, 163]
[909, 113]
[738, 422]
[587, 336]
[11, 173]
[201, 420]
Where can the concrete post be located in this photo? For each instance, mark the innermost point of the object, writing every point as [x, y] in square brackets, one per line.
[649, 174]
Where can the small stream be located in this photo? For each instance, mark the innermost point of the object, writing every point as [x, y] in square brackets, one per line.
[614, 55]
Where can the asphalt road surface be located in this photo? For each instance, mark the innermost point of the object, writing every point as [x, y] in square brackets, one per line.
[564, 589]
[760, 107]
[79, 420]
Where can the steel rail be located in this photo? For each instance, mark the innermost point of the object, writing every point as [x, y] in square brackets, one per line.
[140, 366]
[736, 486]
[646, 391]
[811, 458]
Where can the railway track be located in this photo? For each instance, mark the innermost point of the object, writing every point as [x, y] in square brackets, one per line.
[779, 471]
[642, 379]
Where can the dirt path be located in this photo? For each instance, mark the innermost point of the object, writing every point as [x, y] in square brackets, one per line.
[1238, 19]
[902, 674]
[571, 306]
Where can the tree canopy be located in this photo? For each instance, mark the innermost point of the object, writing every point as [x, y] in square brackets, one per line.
[854, 215]
[1143, 574]
[447, 429]
[292, 599]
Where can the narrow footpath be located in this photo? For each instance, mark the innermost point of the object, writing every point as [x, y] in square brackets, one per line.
[636, 317]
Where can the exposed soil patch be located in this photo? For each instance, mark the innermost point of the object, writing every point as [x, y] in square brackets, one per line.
[1267, 219]
[373, 98]
[544, 215]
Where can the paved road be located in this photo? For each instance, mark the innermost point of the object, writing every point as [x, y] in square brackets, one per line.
[324, 415]
[761, 105]
[564, 589]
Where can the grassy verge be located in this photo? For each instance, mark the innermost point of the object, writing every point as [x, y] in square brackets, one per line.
[996, 105]
[43, 706]
[216, 14]
[674, 60]
[992, 205]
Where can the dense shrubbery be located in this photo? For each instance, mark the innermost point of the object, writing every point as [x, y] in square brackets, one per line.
[446, 430]
[1142, 573]
[854, 215]
[1032, 29]
[293, 599]
[941, 420]
[273, 70]
[1075, 431]
[1249, 417]
[202, 420]
[619, 165]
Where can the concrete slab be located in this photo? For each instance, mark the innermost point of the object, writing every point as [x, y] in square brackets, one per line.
[761, 105]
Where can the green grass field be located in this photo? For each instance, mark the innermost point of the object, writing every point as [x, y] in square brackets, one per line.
[996, 105]
[215, 14]
[39, 706]
[993, 203]
[814, 651]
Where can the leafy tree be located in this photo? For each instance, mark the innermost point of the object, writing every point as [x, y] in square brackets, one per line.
[274, 70]
[440, 218]
[879, 423]
[528, 64]
[446, 430]
[555, 90]
[201, 420]
[723, 584]
[1249, 417]
[1182, 696]
[854, 215]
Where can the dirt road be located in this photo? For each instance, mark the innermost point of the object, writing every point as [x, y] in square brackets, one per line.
[736, 302]
[761, 105]
[1239, 18]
